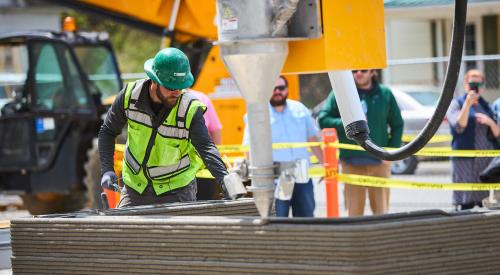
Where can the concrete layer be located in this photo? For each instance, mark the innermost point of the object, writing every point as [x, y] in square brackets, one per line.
[429, 242]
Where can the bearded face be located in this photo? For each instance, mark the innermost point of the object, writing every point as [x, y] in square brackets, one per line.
[166, 96]
[280, 93]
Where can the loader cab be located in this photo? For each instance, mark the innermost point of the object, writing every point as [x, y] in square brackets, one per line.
[51, 90]
[99, 64]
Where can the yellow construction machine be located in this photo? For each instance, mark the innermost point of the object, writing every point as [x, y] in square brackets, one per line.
[190, 26]
[258, 40]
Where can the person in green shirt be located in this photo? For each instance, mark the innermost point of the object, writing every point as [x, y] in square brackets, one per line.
[386, 129]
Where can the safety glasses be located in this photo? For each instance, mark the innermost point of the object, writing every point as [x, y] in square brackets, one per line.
[362, 71]
[280, 88]
[170, 90]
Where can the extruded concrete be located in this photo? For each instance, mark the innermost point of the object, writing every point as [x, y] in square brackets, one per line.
[429, 242]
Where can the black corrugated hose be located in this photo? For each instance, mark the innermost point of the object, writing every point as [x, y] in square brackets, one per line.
[450, 82]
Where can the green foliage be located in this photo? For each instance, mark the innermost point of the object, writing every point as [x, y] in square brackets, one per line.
[132, 46]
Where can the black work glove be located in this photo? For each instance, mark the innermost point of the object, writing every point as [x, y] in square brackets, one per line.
[110, 181]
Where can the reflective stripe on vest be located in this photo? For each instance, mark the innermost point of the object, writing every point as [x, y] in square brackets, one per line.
[183, 107]
[173, 132]
[136, 92]
[158, 172]
[139, 117]
[134, 165]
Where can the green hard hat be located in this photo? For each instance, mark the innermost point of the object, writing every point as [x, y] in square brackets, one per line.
[170, 68]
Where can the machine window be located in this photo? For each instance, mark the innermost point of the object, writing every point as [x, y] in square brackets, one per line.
[13, 72]
[98, 63]
[75, 84]
[58, 84]
[49, 88]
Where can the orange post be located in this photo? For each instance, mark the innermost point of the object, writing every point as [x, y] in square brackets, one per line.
[330, 162]
[113, 198]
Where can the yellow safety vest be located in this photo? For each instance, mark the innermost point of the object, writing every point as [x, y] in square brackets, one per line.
[162, 155]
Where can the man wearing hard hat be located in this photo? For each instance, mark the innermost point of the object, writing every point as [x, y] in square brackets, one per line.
[168, 141]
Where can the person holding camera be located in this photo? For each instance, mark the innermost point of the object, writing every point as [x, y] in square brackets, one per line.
[473, 127]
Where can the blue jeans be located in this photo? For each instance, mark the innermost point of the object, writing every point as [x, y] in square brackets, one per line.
[302, 201]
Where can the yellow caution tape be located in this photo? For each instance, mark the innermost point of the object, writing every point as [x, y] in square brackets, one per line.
[233, 148]
[395, 183]
[120, 147]
[405, 184]
[430, 151]
[245, 148]
[434, 139]
[434, 152]
[448, 152]
[390, 182]
[319, 171]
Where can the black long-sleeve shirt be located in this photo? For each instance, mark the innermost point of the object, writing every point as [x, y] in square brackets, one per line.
[198, 133]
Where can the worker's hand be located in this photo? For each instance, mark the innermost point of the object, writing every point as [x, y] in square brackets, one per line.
[110, 181]
[232, 186]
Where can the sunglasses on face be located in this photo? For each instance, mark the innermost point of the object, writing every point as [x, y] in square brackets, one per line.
[170, 90]
[362, 71]
[280, 88]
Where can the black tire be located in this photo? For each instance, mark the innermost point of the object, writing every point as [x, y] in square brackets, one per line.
[50, 203]
[406, 166]
[92, 178]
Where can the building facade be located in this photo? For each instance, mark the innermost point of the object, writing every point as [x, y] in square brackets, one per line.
[418, 34]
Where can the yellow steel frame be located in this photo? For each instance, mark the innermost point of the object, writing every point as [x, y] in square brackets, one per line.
[353, 38]
[195, 17]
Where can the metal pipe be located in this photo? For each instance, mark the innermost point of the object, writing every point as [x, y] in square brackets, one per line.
[173, 15]
[168, 32]
[261, 157]
[347, 97]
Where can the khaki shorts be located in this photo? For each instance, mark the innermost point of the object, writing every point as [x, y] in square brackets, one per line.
[355, 196]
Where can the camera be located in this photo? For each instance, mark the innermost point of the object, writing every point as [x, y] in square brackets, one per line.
[474, 86]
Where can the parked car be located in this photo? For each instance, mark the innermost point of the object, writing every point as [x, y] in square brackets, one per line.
[417, 104]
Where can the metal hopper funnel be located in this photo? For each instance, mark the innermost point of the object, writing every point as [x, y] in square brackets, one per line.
[255, 68]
